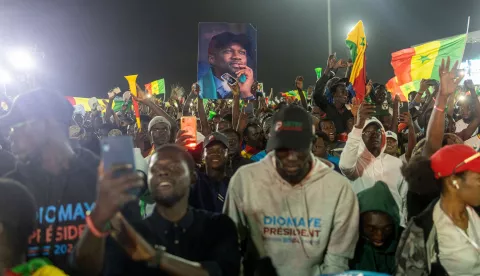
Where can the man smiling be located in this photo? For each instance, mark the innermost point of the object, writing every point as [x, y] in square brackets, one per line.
[292, 206]
[227, 53]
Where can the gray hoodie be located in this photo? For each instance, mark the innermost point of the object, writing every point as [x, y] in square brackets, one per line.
[307, 229]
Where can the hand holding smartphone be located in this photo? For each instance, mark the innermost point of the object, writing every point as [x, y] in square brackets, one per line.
[189, 124]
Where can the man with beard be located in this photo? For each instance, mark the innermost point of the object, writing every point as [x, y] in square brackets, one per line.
[159, 130]
[227, 53]
[61, 179]
[293, 207]
[208, 241]
[210, 189]
[235, 160]
[364, 160]
[254, 140]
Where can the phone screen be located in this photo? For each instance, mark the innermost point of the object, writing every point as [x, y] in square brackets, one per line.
[189, 123]
[403, 107]
[249, 108]
[229, 79]
[118, 151]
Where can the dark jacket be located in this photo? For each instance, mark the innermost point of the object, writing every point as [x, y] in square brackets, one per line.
[367, 256]
[339, 118]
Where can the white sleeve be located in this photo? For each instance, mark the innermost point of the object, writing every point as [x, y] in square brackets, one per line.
[350, 154]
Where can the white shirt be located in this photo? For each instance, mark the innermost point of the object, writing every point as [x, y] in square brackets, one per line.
[461, 125]
[474, 142]
[457, 255]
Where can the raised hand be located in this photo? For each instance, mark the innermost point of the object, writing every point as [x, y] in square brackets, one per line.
[449, 79]
[299, 83]
[369, 88]
[245, 87]
[365, 111]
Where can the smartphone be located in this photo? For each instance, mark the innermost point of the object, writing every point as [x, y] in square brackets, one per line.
[189, 123]
[118, 151]
[432, 82]
[229, 79]
[249, 108]
[403, 107]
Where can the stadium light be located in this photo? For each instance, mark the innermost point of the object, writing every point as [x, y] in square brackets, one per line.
[21, 59]
[5, 77]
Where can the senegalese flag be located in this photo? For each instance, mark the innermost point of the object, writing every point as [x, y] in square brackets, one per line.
[357, 43]
[157, 87]
[422, 61]
[293, 94]
[402, 90]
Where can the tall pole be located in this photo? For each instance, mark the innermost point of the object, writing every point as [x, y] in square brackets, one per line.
[329, 16]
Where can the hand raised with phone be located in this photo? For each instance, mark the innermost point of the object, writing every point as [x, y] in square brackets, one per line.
[113, 192]
[365, 112]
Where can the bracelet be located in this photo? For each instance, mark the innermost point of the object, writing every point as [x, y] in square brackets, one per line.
[439, 109]
[93, 229]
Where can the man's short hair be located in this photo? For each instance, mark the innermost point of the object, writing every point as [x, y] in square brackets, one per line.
[322, 135]
[181, 151]
[17, 213]
[231, 130]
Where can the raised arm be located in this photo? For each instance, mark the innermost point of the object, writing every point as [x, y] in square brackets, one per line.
[436, 126]
[201, 111]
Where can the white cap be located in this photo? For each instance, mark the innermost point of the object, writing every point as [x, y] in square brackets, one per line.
[392, 134]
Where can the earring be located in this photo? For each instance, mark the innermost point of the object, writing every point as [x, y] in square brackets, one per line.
[455, 184]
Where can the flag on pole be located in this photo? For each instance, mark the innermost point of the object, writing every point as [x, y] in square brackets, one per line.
[357, 43]
[156, 87]
[422, 61]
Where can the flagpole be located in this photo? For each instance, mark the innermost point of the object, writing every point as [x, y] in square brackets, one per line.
[329, 25]
[466, 38]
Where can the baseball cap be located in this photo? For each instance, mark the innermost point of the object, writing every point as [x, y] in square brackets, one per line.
[391, 134]
[453, 159]
[222, 40]
[216, 137]
[292, 128]
[156, 120]
[38, 104]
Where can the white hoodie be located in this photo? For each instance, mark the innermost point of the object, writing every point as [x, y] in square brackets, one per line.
[363, 169]
[307, 229]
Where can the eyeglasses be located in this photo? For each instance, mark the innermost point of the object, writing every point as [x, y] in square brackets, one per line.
[372, 132]
[466, 161]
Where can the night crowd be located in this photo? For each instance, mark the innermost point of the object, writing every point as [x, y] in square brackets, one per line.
[316, 184]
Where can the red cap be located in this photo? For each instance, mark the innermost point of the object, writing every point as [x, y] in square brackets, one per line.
[458, 158]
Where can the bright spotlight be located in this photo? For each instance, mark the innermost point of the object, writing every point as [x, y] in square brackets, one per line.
[5, 77]
[461, 98]
[21, 59]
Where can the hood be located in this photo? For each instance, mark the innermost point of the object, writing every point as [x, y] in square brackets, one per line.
[384, 139]
[379, 198]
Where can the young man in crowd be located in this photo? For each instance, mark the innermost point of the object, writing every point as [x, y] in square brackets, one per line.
[188, 241]
[210, 188]
[62, 180]
[235, 160]
[336, 110]
[291, 206]
[379, 231]
[320, 149]
[159, 129]
[364, 160]
[254, 140]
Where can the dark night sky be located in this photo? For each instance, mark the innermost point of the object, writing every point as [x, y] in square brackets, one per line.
[90, 45]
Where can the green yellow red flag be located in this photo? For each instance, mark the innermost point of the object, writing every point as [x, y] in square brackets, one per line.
[422, 61]
[357, 43]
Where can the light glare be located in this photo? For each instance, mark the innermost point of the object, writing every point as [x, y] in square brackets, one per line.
[21, 59]
[5, 77]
